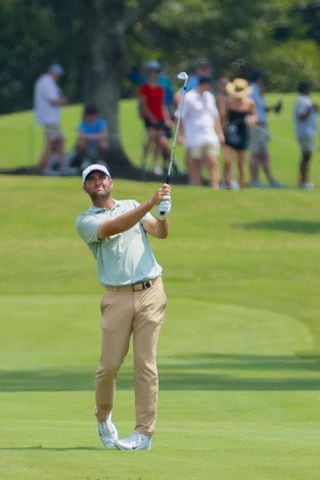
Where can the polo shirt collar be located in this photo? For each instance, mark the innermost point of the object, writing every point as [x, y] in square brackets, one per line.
[94, 209]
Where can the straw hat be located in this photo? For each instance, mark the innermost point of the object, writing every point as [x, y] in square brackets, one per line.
[238, 88]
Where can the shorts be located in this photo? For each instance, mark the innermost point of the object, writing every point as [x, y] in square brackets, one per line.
[259, 138]
[52, 132]
[200, 151]
[158, 125]
[307, 144]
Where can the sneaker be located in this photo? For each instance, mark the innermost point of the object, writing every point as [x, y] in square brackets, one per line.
[307, 186]
[277, 184]
[234, 185]
[256, 184]
[157, 170]
[108, 433]
[135, 441]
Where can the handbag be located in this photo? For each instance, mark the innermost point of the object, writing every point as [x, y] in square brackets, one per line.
[233, 135]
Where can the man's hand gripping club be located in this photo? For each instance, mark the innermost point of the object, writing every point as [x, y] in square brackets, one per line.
[162, 200]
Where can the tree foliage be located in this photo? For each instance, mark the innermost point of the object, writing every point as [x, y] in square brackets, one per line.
[280, 36]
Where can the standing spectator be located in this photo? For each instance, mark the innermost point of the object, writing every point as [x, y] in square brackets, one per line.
[202, 132]
[154, 112]
[134, 301]
[221, 96]
[259, 134]
[239, 113]
[164, 81]
[203, 69]
[305, 116]
[92, 144]
[48, 100]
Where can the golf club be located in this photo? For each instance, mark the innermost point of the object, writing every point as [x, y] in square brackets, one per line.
[181, 76]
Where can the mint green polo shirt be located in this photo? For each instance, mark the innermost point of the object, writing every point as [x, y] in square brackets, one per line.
[123, 258]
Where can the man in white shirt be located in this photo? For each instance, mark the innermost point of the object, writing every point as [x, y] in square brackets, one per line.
[47, 104]
[305, 116]
[202, 132]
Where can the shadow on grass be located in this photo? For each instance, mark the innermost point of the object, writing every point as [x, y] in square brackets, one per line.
[282, 225]
[51, 449]
[198, 372]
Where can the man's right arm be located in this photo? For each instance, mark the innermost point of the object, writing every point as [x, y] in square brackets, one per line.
[125, 221]
[129, 219]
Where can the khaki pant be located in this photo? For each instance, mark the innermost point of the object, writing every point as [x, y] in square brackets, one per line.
[140, 313]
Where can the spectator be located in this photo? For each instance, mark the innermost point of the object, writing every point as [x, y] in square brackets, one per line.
[305, 116]
[155, 114]
[221, 96]
[202, 132]
[92, 144]
[48, 100]
[163, 80]
[239, 113]
[259, 134]
[203, 69]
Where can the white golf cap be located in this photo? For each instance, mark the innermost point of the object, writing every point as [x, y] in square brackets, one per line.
[95, 167]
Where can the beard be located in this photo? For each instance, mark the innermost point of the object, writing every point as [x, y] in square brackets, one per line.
[99, 196]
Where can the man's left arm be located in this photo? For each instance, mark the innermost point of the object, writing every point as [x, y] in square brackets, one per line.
[157, 228]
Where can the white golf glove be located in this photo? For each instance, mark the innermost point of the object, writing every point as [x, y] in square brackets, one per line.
[164, 207]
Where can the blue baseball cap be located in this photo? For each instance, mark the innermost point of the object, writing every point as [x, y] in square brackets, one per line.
[57, 69]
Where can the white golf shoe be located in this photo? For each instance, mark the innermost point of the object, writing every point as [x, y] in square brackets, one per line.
[135, 441]
[108, 433]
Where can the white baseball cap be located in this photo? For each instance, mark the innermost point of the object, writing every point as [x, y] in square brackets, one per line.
[95, 167]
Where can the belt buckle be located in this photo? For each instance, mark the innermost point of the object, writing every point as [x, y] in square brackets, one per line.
[137, 287]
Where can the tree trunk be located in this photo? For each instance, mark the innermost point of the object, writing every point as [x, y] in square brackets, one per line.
[104, 51]
[105, 23]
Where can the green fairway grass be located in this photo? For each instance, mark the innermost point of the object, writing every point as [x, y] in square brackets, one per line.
[238, 355]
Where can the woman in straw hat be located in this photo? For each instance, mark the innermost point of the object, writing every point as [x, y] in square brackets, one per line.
[238, 113]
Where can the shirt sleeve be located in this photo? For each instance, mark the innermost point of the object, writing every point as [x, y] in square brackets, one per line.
[214, 109]
[103, 125]
[51, 91]
[87, 227]
[302, 106]
[146, 217]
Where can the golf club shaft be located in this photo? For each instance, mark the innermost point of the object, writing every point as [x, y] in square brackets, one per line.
[173, 148]
[179, 111]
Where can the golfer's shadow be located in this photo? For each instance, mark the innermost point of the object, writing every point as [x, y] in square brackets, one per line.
[50, 449]
[282, 225]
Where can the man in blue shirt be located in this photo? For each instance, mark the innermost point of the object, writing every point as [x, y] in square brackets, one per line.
[93, 131]
[259, 134]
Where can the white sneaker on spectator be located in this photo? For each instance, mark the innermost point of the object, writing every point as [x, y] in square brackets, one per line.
[108, 433]
[307, 186]
[157, 170]
[135, 441]
[234, 185]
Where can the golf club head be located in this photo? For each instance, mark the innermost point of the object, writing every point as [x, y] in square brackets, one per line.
[183, 76]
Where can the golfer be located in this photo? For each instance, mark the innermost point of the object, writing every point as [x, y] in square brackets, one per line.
[134, 301]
